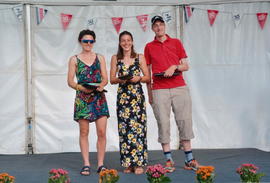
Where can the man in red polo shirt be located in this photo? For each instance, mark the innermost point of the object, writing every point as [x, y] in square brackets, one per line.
[166, 59]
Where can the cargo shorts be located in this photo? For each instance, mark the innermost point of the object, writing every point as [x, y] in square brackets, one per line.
[180, 101]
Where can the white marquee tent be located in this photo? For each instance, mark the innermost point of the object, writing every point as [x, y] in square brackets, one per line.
[228, 79]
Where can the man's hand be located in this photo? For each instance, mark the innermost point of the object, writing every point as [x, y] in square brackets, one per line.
[169, 72]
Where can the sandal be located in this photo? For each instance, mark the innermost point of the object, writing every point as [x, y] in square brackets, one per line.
[86, 170]
[101, 168]
[139, 170]
[129, 170]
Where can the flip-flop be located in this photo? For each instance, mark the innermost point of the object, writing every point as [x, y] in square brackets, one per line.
[85, 169]
[101, 168]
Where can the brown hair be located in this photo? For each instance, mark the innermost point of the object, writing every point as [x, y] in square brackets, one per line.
[86, 32]
[120, 53]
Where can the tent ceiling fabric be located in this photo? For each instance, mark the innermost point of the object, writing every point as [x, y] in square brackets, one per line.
[129, 2]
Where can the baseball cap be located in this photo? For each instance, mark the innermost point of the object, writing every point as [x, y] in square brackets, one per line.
[157, 18]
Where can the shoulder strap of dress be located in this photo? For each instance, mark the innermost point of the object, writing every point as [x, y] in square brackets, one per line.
[137, 59]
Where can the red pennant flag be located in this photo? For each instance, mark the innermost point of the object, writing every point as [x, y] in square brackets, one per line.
[262, 19]
[212, 14]
[117, 22]
[142, 19]
[65, 19]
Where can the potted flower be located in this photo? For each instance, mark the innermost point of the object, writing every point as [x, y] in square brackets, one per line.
[108, 176]
[205, 174]
[248, 173]
[157, 174]
[58, 176]
[6, 178]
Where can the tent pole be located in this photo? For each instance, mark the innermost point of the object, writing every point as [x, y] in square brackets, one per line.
[28, 84]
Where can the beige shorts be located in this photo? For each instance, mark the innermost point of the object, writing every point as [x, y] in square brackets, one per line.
[180, 101]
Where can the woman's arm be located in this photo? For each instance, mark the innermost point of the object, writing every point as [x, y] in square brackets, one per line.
[113, 71]
[145, 70]
[104, 75]
[71, 72]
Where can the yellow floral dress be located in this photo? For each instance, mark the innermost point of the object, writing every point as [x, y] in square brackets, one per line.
[131, 114]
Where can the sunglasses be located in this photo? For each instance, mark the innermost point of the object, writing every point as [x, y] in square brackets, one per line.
[88, 41]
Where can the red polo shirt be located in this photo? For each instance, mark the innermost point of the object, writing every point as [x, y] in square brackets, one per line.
[161, 55]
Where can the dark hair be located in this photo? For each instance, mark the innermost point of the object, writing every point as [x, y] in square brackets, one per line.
[86, 32]
[120, 52]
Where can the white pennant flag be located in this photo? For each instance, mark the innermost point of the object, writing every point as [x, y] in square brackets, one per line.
[236, 18]
[167, 17]
[91, 23]
[18, 10]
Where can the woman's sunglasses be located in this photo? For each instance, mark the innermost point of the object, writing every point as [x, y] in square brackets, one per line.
[88, 41]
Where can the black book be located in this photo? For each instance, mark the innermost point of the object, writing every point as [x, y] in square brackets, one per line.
[92, 86]
[161, 74]
[125, 77]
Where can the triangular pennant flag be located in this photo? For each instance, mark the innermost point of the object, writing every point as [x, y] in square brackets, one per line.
[262, 19]
[212, 14]
[142, 19]
[18, 10]
[236, 18]
[117, 22]
[188, 13]
[65, 20]
[91, 23]
[167, 17]
[40, 12]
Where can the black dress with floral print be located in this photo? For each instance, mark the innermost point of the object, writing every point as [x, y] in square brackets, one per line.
[131, 114]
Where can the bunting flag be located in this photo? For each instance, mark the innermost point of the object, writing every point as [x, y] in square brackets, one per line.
[236, 18]
[167, 17]
[142, 19]
[18, 10]
[65, 20]
[117, 22]
[188, 13]
[91, 23]
[40, 13]
[212, 14]
[262, 19]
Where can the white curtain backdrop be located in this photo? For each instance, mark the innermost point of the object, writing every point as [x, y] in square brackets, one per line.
[229, 77]
[12, 82]
[55, 130]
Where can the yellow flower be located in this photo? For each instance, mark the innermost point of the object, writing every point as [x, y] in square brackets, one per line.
[124, 145]
[120, 126]
[133, 152]
[140, 147]
[133, 91]
[130, 136]
[130, 87]
[139, 163]
[124, 95]
[139, 130]
[133, 102]
[127, 110]
[143, 117]
[136, 158]
[133, 140]
[122, 101]
[127, 160]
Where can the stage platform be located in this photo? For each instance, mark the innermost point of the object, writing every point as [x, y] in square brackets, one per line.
[35, 168]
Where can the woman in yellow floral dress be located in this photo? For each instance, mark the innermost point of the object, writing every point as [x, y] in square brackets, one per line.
[131, 106]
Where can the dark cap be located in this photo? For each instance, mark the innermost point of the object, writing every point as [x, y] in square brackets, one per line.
[157, 18]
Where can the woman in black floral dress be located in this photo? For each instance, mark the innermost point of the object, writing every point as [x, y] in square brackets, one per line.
[131, 106]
